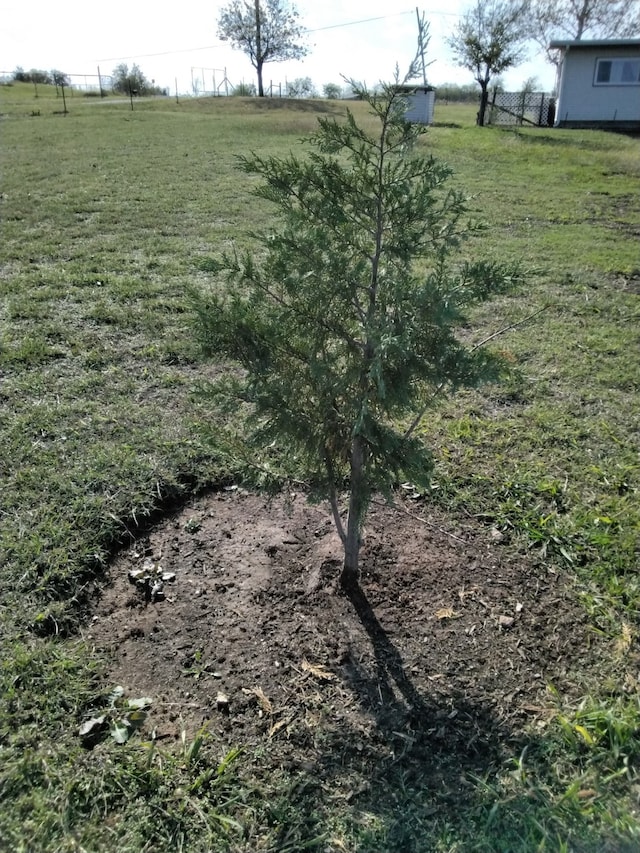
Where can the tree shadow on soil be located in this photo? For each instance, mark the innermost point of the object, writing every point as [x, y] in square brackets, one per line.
[391, 697]
[419, 760]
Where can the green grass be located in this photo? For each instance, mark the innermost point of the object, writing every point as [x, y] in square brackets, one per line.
[106, 214]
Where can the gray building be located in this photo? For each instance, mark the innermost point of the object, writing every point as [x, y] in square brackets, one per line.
[599, 84]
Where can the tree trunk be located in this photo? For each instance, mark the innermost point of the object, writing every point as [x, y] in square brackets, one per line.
[259, 50]
[358, 500]
[484, 100]
[260, 86]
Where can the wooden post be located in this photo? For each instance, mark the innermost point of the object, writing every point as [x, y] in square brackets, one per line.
[176, 82]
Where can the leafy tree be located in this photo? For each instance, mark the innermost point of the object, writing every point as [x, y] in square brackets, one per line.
[35, 75]
[345, 321]
[60, 81]
[489, 39]
[576, 19]
[59, 78]
[265, 31]
[131, 81]
[332, 91]
[301, 87]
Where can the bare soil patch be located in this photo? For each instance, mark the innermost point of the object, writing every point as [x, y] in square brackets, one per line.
[438, 663]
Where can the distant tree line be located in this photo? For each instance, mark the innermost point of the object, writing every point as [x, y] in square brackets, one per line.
[37, 75]
[124, 80]
[456, 93]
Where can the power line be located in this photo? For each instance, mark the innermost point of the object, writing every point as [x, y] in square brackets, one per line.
[362, 21]
[314, 30]
[381, 18]
[160, 53]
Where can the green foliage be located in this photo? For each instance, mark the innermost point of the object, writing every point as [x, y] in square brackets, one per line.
[349, 322]
[35, 75]
[301, 87]
[332, 91]
[131, 81]
[244, 90]
[59, 78]
[121, 719]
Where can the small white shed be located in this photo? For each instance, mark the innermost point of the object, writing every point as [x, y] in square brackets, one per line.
[599, 84]
[421, 101]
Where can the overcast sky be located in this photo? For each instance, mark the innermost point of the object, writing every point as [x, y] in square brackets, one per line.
[361, 39]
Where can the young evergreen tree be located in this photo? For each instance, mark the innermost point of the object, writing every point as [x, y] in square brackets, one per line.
[345, 321]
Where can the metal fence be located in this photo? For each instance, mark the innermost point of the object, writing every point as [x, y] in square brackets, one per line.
[91, 82]
[518, 108]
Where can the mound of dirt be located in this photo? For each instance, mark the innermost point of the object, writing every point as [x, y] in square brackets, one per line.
[447, 648]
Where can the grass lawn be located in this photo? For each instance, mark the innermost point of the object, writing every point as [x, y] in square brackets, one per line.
[106, 216]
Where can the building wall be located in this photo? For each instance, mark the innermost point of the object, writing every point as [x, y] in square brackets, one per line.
[420, 109]
[580, 100]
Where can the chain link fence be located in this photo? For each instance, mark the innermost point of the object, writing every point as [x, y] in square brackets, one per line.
[518, 108]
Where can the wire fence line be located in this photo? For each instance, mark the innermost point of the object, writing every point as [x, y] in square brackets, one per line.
[205, 82]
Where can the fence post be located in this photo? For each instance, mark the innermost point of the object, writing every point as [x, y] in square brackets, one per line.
[492, 111]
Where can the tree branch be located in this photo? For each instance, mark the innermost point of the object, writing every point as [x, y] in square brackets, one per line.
[416, 421]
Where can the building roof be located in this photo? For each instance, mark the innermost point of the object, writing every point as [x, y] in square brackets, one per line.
[410, 88]
[565, 44]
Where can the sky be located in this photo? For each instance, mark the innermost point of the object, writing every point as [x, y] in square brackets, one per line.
[178, 44]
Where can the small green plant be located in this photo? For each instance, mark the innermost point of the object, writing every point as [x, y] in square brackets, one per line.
[193, 525]
[196, 667]
[244, 90]
[121, 719]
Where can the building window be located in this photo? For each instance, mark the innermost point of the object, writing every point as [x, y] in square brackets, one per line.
[618, 72]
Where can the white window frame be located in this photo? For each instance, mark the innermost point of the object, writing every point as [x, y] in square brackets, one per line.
[616, 70]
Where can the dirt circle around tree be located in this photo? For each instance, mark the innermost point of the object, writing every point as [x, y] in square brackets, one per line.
[446, 651]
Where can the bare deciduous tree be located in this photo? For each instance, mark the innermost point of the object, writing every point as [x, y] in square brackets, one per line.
[577, 19]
